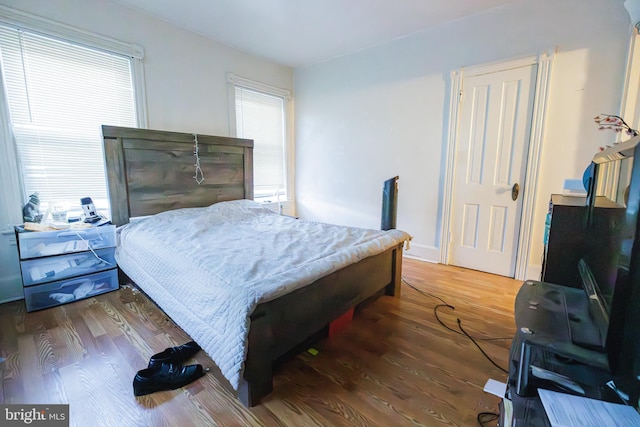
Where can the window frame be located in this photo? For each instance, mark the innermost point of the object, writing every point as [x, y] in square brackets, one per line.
[234, 81]
[14, 196]
[48, 28]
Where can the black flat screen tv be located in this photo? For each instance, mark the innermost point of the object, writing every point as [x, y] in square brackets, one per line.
[610, 270]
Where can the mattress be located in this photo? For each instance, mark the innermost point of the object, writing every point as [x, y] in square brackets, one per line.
[208, 268]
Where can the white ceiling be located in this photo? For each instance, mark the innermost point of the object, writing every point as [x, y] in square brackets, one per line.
[303, 32]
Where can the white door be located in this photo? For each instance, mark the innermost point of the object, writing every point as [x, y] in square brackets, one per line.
[494, 128]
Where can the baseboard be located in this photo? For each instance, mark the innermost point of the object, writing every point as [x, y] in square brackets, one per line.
[534, 272]
[432, 254]
[3, 301]
[423, 252]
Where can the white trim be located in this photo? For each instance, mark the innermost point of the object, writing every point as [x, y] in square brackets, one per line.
[234, 81]
[534, 272]
[543, 81]
[533, 156]
[140, 95]
[11, 199]
[289, 125]
[630, 107]
[422, 252]
[493, 67]
[231, 102]
[454, 107]
[14, 298]
[258, 86]
[405, 255]
[64, 32]
[51, 28]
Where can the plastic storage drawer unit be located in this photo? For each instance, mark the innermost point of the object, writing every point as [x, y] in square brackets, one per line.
[42, 270]
[64, 291]
[47, 243]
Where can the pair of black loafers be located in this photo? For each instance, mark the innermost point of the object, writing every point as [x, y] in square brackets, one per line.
[165, 371]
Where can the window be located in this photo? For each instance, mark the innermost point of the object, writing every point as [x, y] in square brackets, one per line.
[59, 94]
[260, 114]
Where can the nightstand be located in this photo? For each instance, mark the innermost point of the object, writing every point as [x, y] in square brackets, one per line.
[63, 266]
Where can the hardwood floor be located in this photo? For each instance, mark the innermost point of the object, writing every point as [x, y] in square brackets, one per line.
[393, 365]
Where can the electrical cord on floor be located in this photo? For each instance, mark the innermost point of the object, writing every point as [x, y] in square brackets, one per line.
[485, 417]
[435, 312]
[461, 331]
[424, 292]
[480, 348]
[445, 304]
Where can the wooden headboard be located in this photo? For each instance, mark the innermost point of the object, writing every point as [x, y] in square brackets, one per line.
[150, 171]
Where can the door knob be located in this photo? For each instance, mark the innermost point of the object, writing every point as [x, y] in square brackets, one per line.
[515, 191]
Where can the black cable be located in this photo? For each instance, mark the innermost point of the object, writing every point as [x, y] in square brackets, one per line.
[462, 331]
[435, 313]
[445, 304]
[480, 348]
[425, 293]
[490, 416]
[483, 417]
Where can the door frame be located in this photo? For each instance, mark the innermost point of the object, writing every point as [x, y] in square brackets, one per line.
[532, 166]
[630, 108]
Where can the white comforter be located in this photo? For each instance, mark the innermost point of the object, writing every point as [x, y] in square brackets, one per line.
[208, 268]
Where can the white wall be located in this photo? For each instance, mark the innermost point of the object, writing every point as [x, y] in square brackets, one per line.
[185, 73]
[382, 112]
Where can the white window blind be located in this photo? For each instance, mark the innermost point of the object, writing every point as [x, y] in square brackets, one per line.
[59, 95]
[261, 117]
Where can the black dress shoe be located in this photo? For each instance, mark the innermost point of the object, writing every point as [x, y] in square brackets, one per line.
[174, 355]
[166, 377]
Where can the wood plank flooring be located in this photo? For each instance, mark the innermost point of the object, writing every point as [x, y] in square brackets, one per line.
[393, 365]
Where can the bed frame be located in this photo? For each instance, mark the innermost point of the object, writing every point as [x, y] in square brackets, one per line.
[152, 171]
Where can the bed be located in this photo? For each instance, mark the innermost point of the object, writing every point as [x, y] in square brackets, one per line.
[249, 285]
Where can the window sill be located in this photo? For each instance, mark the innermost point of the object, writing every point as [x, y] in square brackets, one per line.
[283, 207]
